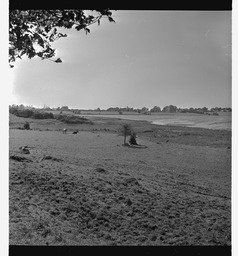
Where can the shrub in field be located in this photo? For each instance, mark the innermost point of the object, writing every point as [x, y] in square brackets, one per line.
[126, 130]
[25, 113]
[21, 112]
[77, 112]
[26, 126]
[13, 111]
[37, 115]
[133, 139]
[29, 113]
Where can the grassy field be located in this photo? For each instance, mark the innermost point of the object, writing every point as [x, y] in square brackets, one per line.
[89, 189]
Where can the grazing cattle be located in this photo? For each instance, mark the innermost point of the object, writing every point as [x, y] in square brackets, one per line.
[64, 130]
[75, 132]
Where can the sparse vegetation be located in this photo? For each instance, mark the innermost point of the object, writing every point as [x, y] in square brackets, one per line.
[42, 115]
[73, 119]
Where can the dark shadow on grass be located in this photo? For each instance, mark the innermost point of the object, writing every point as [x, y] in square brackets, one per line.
[134, 146]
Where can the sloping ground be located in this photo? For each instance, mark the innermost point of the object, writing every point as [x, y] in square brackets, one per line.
[87, 189]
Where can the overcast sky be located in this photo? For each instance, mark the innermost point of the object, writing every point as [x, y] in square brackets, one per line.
[146, 58]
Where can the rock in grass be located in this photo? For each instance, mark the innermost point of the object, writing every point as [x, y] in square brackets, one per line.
[20, 159]
[128, 202]
[24, 149]
[51, 158]
[101, 170]
[47, 157]
[132, 180]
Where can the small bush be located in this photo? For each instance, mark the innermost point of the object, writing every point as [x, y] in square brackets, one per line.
[78, 112]
[26, 126]
[13, 111]
[29, 113]
[37, 115]
[125, 130]
[24, 113]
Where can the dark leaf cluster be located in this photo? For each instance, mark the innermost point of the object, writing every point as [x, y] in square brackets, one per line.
[31, 32]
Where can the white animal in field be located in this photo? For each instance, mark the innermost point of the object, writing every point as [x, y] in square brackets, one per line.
[64, 130]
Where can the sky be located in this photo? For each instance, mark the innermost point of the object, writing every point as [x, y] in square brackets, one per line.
[146, 58]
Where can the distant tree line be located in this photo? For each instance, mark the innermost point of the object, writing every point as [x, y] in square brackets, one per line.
[39, 114]
[125, 109]
[169, 109]
[203, 110]
[120, 110]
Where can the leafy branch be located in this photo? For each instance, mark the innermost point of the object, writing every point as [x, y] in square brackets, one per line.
[31, 32]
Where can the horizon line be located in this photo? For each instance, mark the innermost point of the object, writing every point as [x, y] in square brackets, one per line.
[105, 109]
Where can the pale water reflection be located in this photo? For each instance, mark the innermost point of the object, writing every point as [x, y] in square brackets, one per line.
[222, 121]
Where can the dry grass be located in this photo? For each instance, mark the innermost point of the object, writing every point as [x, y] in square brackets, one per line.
[93, 191]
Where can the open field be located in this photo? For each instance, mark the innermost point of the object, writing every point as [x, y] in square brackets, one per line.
[222, 121]
[88, 189]
[210, 121]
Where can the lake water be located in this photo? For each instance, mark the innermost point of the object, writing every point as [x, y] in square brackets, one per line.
[223, 121]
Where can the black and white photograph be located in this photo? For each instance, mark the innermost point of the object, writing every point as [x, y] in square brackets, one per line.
[120, 126]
